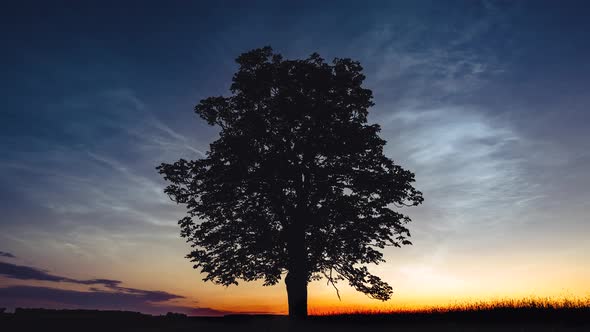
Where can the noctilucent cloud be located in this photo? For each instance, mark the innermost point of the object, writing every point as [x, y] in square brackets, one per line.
[486, 101]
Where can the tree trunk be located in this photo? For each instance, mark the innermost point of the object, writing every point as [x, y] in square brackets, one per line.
[296, 279]
[297, 294]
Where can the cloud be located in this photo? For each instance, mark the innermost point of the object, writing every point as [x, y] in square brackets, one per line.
[29, 273]
[6, 254]
[95, 198]
[464, 157]
[20, 272]
[452, 59]
[471, 160]
[114, 296]
[109, 183]
[147, 302]
[471, 169]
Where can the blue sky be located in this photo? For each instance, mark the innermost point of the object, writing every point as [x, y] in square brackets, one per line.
[486, 101]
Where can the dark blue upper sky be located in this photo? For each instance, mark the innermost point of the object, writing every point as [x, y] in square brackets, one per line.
[485, 100]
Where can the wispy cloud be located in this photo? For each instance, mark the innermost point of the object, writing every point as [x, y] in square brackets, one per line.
[464, 160]
[21, 272]
[468, 159]
[6, 254]
[146, 302]
[112, 296]
[101, 195]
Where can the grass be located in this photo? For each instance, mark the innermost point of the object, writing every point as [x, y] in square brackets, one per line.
[505, 304]
[506, 315]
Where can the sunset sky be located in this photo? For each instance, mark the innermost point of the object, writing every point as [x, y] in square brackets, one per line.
[486, 101]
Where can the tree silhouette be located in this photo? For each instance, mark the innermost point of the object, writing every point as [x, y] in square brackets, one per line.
[297, 182]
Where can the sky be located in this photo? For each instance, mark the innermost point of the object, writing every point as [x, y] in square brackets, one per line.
[486, 101]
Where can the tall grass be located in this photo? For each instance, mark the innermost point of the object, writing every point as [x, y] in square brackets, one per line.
[528, 304]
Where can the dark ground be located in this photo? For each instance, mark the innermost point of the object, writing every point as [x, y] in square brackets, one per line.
[88, 320]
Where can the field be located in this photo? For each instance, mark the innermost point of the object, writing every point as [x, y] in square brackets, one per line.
[506, 315]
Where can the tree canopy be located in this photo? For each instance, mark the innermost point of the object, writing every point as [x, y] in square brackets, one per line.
[296, 182]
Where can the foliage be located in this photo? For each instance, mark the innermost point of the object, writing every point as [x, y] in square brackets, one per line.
[296, 162]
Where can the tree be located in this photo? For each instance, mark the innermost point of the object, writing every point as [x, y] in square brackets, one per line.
[297, 182]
